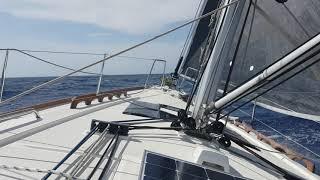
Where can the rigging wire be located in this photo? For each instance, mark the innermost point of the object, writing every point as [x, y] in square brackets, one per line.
[244, 112]
[186, 42]
[92, 132]
[250, 30]
[65, 52]
[54, 64]
[82, 53]
[263, 83]
[275, 103]
[276, 85]
[88, 153]
[205, 62]
[296, 20]
[256, 74]
[115, 144]
[117, 54]
[235, 54]
[27, 169]
[238, 142]
[286, 174]
[132, 127]
[114, 138]
[190, 30]
[251, 90]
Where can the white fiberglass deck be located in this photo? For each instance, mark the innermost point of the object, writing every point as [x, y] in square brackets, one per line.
[42, 144]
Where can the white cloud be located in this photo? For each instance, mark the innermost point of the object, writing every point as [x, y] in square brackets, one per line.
[99, 34]
[129, 16]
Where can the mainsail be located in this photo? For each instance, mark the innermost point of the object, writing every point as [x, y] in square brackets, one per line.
[273, 29]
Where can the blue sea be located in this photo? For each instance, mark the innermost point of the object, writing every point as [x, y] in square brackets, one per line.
[299, 133]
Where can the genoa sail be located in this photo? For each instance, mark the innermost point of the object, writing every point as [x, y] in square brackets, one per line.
[273, 30]
[198, 41]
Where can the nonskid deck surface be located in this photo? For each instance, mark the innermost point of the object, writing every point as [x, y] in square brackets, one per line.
[41, 144]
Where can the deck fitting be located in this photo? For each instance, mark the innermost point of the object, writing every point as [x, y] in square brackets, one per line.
[113, 128]
[87, 99]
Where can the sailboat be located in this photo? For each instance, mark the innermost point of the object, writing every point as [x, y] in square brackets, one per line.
[162, 132]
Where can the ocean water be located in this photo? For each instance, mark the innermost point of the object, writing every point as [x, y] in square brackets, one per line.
[299, 133]
[69, 87]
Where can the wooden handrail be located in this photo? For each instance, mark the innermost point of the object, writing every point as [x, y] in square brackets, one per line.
[71, 100]
[283, 149]
[87, 99]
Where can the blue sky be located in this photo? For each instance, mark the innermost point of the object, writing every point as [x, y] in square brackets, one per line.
[91, 26]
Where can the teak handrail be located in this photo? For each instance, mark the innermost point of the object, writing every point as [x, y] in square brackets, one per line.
[87, 98]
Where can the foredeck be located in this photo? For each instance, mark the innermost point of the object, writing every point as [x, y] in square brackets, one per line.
[42, 143]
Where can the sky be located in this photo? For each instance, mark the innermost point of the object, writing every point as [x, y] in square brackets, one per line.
[99, 26]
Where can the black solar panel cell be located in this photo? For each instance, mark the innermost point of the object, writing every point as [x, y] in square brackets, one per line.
[149, 178]
[215, 175]
[158, 167]
[191, 169]
[158, 172]
[189, 177]
[161, 161]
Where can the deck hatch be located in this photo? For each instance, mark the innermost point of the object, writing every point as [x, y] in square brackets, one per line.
[156, 166]
[150, 110]
[144, 109]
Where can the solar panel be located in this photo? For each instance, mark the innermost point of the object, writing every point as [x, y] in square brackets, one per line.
[158, 167]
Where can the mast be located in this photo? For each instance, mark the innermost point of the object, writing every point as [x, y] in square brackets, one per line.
[227, 24]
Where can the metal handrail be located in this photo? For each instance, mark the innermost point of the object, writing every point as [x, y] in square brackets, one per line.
[281, 134]
[234, 3]
[185, 76]
[151, 69]
[13, 114]
[3, 77]
[121, 52]
[100, 74]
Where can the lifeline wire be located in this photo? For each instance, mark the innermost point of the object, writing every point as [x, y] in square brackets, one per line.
[116, 54]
